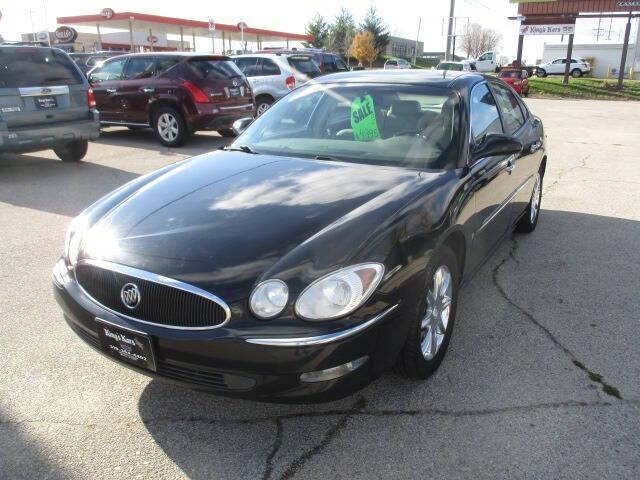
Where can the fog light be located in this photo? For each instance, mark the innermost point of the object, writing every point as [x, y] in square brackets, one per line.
[333, 373]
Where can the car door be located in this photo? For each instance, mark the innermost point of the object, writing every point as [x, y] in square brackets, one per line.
[273, 78]
[523, 165]
[105, 81]
[490, 176]
[137, 86]
[557, 66]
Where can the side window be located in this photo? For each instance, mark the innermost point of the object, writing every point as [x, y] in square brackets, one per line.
[485, 118]
[248, 66]
[558, 61]
[110, 70]
[269, 67]
[329, 63]
[139, 68]
[512, 116]
[341, 66]
[165, 63]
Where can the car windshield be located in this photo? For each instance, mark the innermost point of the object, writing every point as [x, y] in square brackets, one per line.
[304, 65]
[36, 67]
[450, 66]
[215, 69]
[510, 74]
[400, 125]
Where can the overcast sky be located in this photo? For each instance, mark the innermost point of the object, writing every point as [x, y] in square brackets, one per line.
[292, 16]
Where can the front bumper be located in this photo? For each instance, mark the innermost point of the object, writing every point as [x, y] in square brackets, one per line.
[43, 137]
[226, 362]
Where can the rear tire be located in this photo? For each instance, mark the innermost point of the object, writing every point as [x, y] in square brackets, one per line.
[576, 73]
[424, 350]
[541, 72]
[529, 220]
[227, 132]
[169, 127]
[263, 102]
[72, 152]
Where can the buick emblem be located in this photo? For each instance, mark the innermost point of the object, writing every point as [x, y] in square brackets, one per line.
[130, 295]
[236, 82]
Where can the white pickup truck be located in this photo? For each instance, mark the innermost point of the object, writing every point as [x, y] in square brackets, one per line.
[487, 62]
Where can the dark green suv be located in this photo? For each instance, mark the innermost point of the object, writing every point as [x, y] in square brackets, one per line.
[45, 102]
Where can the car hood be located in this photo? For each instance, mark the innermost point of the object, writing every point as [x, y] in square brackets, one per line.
[219, 220]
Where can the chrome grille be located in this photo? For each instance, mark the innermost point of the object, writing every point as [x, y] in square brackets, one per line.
[163, 301]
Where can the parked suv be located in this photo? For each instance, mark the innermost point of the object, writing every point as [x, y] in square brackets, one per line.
[273, 75]
[45, 102]
[396, 63]
[176, 94]
[327, 62]
[578, 67]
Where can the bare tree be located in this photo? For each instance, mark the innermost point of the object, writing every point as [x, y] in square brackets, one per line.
[478, 39]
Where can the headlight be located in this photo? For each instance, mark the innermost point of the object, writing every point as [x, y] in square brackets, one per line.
[340, 292]
[269, 298]
[73, 239]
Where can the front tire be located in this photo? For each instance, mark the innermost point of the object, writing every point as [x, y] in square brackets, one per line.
[72, 152]
[541, 72]
[432, 325]
[529, 220]
[169, 126]
[576, 73]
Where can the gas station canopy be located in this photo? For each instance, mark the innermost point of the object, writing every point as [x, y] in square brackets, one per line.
[132, 21]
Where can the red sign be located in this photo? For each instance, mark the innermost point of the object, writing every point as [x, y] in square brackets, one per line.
[65, 34]
[107, 13]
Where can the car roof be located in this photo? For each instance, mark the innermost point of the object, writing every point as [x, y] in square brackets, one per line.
[436, 78]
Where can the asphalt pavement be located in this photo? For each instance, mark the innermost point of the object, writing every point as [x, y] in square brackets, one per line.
[541, 379]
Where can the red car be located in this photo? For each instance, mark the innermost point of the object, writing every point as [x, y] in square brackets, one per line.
[176, 94]
[518, 78]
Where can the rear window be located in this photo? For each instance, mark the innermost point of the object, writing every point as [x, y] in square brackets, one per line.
[215, 69]
[304, 65]
[36, 67]
[391, 62]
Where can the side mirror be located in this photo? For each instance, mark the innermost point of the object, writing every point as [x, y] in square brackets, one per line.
[241, 125]
[497, 144]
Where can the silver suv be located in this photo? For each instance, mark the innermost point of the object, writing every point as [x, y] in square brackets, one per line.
[45, 102]
[273, 75]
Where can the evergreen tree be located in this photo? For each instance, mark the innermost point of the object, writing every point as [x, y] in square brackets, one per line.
[319, 29]
[342, 31]
[374, 24]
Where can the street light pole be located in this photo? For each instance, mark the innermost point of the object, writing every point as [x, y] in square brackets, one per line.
[452, 7]
[415, 51]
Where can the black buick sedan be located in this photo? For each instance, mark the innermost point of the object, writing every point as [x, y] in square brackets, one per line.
[327, 244]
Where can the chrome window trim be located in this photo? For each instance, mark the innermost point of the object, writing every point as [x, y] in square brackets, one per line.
[320, 339]
[38, 91]
[155, 278]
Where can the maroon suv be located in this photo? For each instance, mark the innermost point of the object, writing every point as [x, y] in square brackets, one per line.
[176, 94]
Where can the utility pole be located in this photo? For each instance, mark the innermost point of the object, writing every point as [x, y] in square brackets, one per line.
[452, 8]
[415, 51]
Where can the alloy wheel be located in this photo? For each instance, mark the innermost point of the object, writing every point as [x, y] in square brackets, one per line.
[434, 324]
[535, 200]
[168, 127]
[263, 107]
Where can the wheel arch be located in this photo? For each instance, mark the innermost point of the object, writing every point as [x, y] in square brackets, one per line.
[457, 243]
[163, 102]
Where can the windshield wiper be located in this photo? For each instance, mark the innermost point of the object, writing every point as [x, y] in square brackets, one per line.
[240, 148]
[326, 157]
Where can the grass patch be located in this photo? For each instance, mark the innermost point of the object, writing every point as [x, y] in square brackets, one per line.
[585, 88]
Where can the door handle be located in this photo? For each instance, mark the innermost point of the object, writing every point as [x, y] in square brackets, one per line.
[536, 146]
[111, 90]
[147, 89]
[511, 165]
